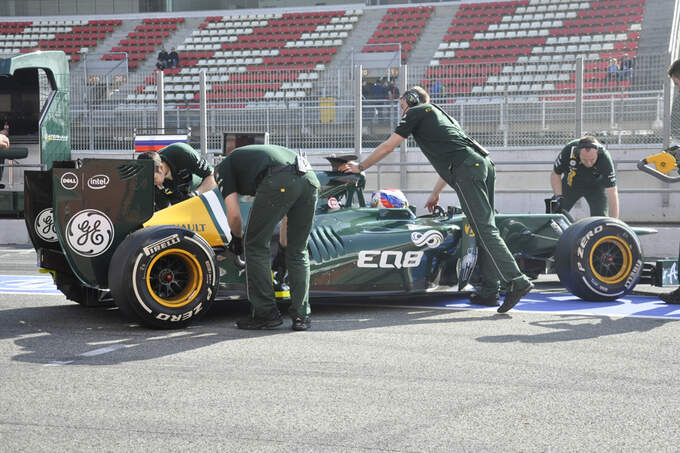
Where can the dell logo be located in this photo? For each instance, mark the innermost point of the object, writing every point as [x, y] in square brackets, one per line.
[69, 181]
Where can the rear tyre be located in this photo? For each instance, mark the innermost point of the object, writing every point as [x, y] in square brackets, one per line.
[164, 276]
[599, 259]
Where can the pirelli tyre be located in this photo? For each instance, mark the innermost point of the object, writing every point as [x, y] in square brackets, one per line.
[599, 259]
[165, 276]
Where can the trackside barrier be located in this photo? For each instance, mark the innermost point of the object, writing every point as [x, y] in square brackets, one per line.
[509, 105]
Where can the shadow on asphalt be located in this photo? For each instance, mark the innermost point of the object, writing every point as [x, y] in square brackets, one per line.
[77, 330]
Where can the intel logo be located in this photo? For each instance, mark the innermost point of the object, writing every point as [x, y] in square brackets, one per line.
[98, 182]
[69, 181]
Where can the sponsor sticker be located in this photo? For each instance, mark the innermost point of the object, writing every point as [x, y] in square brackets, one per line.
[432, 238]
[56, 138]
[97, 182]
[389, 259]
[44, 225]
[89, 233]
[69, 180]
[160, 245]
[333, 203]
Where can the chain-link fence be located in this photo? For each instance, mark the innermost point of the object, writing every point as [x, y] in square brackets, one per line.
[532, 102]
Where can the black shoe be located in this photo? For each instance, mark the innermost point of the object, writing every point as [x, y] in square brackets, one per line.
[257, 323]
[488, 301]
[672, 297]
[302, 323]
[516, 292]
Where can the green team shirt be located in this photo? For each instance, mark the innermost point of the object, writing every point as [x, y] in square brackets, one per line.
[601, 175]
[184, 163]
[239, 170]
[441, 139]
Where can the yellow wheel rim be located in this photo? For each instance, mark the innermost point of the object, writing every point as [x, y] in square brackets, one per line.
[611, 260]
[174, 278]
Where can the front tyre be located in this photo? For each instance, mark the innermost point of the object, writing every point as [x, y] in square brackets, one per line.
[164, 276]
[599, 259]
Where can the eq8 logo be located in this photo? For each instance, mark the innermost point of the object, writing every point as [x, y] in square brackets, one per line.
[44, 225]
[389, 259]
[89, 233]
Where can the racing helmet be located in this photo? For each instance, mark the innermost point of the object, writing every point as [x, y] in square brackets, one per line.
[389, 198]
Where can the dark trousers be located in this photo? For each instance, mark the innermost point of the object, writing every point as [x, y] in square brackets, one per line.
[596, 198]
[474, 181]
[278, 195]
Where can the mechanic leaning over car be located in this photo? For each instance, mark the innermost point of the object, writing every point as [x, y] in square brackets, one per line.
[284, 185]
[464, 165]
[174, 169]
[674, 73]
[584, 169]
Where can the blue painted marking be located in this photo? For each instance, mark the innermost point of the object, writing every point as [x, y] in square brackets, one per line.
[539, 302]
[630, 305]
[27, 284]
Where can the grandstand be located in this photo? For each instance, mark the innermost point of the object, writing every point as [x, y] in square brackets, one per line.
[482, 54]
[508, 70]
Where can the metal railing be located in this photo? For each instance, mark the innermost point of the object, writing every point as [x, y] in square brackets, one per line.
[502, 105]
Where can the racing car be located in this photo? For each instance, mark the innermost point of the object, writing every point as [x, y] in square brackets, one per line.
[93, 225]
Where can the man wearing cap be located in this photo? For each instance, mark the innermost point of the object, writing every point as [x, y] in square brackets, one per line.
[179, 173]
[284, 186]
[464, 165]
[584, 169]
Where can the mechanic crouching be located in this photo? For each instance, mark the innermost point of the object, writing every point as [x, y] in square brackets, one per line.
[284, 186]
[584, 169]
[463, 164]
[175, 168]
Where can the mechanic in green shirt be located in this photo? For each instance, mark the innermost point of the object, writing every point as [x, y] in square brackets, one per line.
[464, 165]
[284, 186]
[674, 73]
[585, 169]
[179, 173]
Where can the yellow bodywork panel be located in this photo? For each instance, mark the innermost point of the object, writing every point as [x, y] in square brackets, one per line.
[664, 162]
[204, 214]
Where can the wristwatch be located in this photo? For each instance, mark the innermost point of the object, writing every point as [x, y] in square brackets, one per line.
[361, 167]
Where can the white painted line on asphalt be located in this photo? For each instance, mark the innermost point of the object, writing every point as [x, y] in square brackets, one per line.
[101, 351]
[60, 362]
[94, 352]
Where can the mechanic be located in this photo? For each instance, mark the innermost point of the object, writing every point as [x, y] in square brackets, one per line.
[4, 137]
[674, 296]
[284, 186]
[585, 169]
[464, 165]
[174, 169]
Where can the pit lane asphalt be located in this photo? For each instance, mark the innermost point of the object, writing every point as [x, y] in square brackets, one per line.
[366, 378]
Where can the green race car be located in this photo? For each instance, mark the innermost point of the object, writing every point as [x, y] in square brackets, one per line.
[93, 226]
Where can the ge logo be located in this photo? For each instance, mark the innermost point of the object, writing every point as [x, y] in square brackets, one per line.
[89, 233]
[44, 225]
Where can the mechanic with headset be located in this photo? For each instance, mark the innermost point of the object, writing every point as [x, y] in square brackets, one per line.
[179, 173]
[284, 185]
[674, 73]
[463, 164]
[584, 168]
